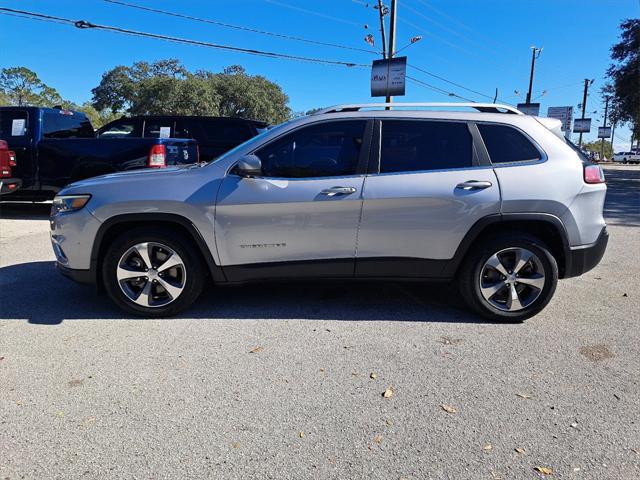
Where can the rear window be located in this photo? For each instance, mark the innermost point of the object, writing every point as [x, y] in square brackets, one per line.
[13, 124]
[416, 145]
[159, 128]
[507, 145]
[64, 124]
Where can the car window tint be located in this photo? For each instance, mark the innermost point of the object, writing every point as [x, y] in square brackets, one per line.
[187, 128]
[424, 145]
[152, 128]
[225, 131]
[8, 128]
[323, 150]
[124, 128]
[64, 124]
[506, 144]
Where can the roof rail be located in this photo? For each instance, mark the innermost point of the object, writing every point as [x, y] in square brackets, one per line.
[481, 107]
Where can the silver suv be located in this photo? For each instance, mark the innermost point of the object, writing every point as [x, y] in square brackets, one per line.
[497, 200]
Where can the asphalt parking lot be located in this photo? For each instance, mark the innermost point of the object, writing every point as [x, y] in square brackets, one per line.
[286, 380]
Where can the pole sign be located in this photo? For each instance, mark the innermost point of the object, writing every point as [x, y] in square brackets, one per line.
[582, 125]
[604, 132]
[529, 108]
[564, 114]
[388, 77]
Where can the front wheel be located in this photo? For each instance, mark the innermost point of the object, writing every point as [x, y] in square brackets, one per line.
[509, 277]
[152, 272]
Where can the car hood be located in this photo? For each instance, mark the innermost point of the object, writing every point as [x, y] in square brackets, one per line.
[146, 178]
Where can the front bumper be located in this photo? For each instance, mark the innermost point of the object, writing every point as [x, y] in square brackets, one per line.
[9, 185]
[585, 257]
[80, 276]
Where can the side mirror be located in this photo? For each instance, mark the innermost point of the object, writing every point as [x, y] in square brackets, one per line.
[249, 166]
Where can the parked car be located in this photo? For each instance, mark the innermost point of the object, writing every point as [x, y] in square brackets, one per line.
[54, 147]
[627, 157]
[215, 135]
[495, 199]
[8, 183]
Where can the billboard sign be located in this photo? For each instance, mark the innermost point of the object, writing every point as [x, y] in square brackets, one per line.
[582, 125]
[529, 108]
[388, 77]
[564, 114]
[604, 132]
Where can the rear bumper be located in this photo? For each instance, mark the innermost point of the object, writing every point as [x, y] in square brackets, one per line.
[585, 257]
[80, 276]
[9, 185]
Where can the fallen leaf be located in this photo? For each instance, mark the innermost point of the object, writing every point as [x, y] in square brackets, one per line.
[256, 350]
[523, 395]
[1, 358]
[301, 434]
[543, 470]
[322, 370]
[576, 469]
[487, 447]
[378, 439]
[636, 451]
[388, 392]
[448, 408]
[519, 450]
[60, 414]
[373, 375]
[388, 422]
[347, 347]
[625, 295]
[235, 445]
[574, 425]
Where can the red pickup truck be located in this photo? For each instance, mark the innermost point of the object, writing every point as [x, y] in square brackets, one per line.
[7, 161]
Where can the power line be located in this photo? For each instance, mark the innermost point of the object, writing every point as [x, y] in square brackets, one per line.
[450, 82]
[82, 24]
[312, 12]
[437, 89]
[240, 27]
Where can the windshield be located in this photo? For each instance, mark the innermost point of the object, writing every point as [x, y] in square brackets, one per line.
[251, 141]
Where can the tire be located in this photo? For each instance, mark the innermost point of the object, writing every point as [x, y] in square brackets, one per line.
[144, 294]
[477, 276]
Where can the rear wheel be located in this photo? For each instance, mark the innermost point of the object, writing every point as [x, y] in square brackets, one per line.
[509, 277]
[152, 272]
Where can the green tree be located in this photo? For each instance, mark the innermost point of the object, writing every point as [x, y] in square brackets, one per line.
[625, 75]
[166, 87]
[21, 86]
[596, 145]
[97, 118]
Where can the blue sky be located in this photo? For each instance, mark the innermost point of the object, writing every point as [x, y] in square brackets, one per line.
[482, 45]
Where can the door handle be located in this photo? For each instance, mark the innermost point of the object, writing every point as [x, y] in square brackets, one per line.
[330, 192]
[473, 185]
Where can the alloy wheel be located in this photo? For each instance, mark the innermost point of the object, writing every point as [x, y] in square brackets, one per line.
[151, 274]
[512, 279]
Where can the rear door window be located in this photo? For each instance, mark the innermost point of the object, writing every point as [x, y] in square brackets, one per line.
[13, 124]
[418, 145]
[507, 145]
[159, 128]
[65, 124]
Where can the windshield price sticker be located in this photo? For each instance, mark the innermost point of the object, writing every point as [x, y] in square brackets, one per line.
[18, 127]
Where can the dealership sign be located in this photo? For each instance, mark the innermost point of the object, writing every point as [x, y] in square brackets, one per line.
[564, 114]
[604, 132]
[388, 77]
[582, 125]
[529, 108]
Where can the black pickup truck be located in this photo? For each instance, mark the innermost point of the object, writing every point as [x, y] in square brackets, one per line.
[215, 135]
[54, 147]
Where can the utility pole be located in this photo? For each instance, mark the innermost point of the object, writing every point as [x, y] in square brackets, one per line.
[392, 36]
[535, 53]
[606, 110]
[587, 82]
[381, 12]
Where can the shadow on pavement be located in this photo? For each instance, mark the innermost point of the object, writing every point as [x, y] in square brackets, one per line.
[24, 211]
[622, 205]
[38, 293]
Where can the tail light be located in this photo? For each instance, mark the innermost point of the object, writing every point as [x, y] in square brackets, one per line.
[593, 174]
[12, 158]
[157, 157]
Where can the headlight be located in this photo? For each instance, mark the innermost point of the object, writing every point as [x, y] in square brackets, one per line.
[68, 203]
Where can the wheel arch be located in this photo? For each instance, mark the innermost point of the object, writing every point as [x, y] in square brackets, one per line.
[114, 226]
[547, 227]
